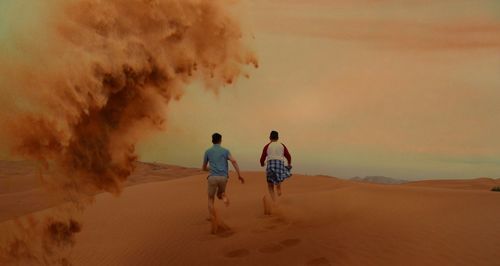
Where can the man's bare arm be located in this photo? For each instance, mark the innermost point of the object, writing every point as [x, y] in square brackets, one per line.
[237, 168]
[205, 166]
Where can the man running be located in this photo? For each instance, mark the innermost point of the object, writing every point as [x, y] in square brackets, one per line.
[274, 153]
[217, 158]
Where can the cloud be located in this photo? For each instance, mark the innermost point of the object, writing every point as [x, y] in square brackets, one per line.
[396, 34]
[388, 24]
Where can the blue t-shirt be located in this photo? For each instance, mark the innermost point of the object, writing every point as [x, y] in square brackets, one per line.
[217, 158]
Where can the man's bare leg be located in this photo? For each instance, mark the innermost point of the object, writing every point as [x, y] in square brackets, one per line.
[270, 186]
[224, 198]
[211, 207]
[212, 214]
[278, 189]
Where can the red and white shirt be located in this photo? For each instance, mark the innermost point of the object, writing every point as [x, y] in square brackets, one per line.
[275, 151]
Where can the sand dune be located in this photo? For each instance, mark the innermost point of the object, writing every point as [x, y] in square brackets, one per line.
[379, 180]
[318, 221]
[482, 183]
[21, 192]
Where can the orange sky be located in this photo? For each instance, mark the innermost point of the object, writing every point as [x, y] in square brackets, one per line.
[407, 89]
[398, 88]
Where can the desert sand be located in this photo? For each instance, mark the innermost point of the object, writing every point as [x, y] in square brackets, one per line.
[21, 191]
[318, 221]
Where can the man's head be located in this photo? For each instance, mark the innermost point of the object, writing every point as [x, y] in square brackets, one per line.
[274, 135]
[216, 138]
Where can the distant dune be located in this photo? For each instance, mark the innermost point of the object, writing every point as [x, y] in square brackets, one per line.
[318, 221]
[482, 183]
[379, 180]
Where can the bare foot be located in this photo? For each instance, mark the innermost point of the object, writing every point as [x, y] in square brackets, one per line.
[214, 222]
[218, 227]
[225, 200]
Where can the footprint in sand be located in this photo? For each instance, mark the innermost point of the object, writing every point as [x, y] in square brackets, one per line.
[225, 234]
[237, 253]
[290, 242]
[274, 248]
[274, 224]
[271, 248]
[271, 227]
[322, 261]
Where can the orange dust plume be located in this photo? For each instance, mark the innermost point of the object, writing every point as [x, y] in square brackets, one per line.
[107, 77]
[43, 242]
[102, 79]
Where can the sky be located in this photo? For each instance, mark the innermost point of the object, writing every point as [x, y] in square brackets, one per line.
[406, 89]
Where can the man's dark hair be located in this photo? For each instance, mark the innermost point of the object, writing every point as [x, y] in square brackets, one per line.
[274, 135]
[216, 138]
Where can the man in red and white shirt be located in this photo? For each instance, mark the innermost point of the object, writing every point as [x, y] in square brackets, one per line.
[274, 154]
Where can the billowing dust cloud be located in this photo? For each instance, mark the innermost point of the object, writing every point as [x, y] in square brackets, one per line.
[101, 83]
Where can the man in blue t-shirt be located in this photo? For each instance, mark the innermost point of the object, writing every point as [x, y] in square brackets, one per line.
[217, 158]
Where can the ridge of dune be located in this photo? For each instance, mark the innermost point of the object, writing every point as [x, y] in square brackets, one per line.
[379, 180]
[480, 183]
[21, 192]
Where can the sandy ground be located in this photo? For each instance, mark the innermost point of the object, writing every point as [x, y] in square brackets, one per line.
[318, 221]
[21, 192]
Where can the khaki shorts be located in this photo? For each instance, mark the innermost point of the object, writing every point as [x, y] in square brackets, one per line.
[216, 184]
